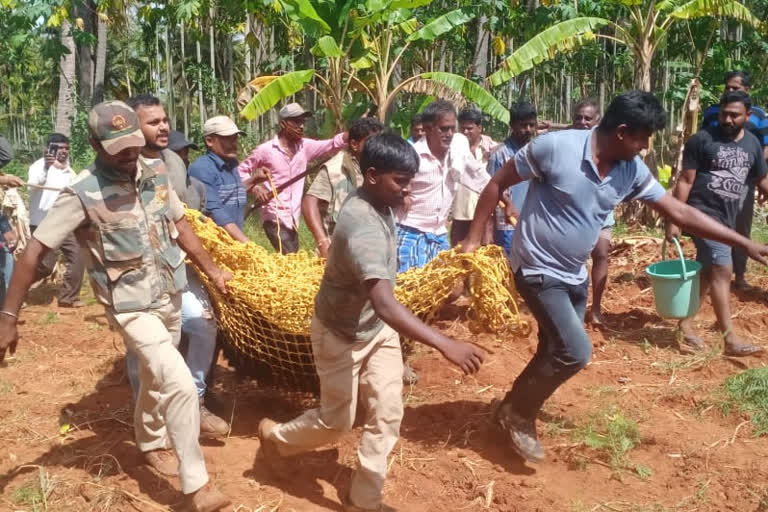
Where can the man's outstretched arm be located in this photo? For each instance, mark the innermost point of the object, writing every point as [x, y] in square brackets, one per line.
[24, 273]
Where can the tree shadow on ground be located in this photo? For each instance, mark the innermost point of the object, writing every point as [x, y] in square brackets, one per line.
[42, 294]
[754, 294]
[300, 476]
[106, 414]
[638, 326]
[461, 424]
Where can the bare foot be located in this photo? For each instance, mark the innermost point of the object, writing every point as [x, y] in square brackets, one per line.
[735, 347]
[689, 342]
[596, 318]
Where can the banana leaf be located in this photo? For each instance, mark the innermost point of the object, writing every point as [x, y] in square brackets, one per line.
[278, 89]
[564, 36]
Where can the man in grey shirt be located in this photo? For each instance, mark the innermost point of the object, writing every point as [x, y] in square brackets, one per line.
[577, 179]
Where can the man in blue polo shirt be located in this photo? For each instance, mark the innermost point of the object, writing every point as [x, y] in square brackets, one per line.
[757, 125]
[217, 169]
[577, 177]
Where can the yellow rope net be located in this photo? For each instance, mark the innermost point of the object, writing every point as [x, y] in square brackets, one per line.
[264, 319]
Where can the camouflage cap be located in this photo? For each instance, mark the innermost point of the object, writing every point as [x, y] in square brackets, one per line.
[116, 126]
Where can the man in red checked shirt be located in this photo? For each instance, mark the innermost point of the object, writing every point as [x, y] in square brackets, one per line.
[286, 156]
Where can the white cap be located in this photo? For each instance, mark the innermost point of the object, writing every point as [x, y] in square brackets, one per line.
[292, 110]
[220, 125]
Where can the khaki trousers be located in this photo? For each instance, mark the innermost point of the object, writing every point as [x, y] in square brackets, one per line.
[350, 371]
[167, 409]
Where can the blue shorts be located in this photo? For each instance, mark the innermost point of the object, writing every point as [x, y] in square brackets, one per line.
[709, 253]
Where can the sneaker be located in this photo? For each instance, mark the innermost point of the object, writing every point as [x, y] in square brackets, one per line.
[208, 499]
[210, 424]
[521, 431]
[163, 461]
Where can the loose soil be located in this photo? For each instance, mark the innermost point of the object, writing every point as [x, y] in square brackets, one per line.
[66, 437]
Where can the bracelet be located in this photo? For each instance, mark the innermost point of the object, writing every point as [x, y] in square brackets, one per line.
[9, 314]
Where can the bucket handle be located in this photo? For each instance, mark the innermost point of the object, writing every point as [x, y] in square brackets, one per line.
[679, 252]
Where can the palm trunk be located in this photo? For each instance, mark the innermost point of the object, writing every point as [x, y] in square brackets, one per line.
[185, 99]
[65, 107]
[212, 43]
[85, 59]
[158, 63]
[480, 65]
[101, 61]
[201, 103]
[169, 103]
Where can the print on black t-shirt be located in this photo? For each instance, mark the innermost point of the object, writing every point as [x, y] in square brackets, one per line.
[723, 169]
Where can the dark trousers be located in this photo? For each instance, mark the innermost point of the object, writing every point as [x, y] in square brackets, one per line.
[288, 237]
[459, 231]
[74, 268]
[564, 347]
[743, 227]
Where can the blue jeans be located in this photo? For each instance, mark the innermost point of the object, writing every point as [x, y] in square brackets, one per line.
[564, 347]
[6, 269]
[199, 325]
[503, 238]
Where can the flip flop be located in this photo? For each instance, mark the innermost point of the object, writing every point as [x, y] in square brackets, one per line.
[690, 344]
[742, 350]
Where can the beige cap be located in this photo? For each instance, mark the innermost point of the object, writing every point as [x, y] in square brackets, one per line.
[220, 125]
[293, 110]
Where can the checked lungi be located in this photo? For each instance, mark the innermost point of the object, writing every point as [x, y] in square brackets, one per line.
[416, 248]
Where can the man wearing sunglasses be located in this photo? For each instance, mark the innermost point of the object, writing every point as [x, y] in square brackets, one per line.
[445, 162]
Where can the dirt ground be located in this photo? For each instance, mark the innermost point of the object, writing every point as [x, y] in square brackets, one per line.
[66, 439]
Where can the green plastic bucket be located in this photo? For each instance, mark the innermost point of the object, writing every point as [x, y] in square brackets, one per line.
[675, 284]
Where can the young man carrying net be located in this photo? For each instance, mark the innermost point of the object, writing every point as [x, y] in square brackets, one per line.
[577, 179]
[355, 328]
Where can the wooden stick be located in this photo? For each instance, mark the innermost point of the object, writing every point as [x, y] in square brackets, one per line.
[43, 187]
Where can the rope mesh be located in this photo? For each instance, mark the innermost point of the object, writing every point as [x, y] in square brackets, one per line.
[264, 319]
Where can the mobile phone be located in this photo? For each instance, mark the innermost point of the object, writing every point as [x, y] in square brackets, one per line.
[53, 149]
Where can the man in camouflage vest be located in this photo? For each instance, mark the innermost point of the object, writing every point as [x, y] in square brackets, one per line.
[130, 224]
[336, 178]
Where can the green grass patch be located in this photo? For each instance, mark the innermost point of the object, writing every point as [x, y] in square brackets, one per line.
[50, 318]
[613, 435]
[35, 493]
[254, 230]
[747, 393]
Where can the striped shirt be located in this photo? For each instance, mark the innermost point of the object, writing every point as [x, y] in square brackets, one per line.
[434, 186]
[225, 194]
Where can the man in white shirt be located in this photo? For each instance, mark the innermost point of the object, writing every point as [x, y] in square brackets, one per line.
[47, 177]
[445, 162]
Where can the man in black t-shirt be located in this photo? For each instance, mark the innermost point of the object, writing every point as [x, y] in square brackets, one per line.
[757, 124]
[718, 165]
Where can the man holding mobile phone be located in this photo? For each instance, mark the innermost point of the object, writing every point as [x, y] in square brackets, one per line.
[47, 177]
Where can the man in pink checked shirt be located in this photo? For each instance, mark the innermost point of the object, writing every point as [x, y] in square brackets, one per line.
[286, 156]
[445, 162]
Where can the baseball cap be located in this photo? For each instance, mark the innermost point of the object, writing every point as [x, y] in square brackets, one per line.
[220, 125]
[177, 141]
[116, 126]
[293, 110]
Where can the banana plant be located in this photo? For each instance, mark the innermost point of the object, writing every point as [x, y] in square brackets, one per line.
[643, 32]
[363, 41]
